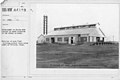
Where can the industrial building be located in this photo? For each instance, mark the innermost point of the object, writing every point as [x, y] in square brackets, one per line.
[72, 34]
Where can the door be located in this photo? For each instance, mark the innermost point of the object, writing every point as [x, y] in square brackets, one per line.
[52, 40]
[71, 40]
[97, 39]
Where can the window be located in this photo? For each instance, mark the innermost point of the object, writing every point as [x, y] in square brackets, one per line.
[66, 38]
[47, 39]
[83, 39]
[59, 39]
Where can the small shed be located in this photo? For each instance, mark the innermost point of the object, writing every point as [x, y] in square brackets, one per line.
[41, 39]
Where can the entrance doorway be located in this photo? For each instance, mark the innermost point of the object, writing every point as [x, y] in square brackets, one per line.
[97, 39]
[71, 40]
[52, 40]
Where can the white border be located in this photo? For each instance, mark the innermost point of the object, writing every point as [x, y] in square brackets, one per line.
[66, 72]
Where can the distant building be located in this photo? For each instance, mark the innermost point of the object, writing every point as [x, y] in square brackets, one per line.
[76, 34]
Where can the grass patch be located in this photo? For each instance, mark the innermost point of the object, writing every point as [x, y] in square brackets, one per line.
[77, 56]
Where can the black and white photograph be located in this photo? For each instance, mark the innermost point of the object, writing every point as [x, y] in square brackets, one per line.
[77, 36]
[60, 40]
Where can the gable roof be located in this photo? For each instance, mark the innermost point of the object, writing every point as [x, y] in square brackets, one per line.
[41, 36]
[91, 31]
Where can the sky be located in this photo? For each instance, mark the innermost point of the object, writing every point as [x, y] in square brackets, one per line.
[61, 15]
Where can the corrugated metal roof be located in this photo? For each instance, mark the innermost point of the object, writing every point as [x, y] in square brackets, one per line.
[91, 31]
